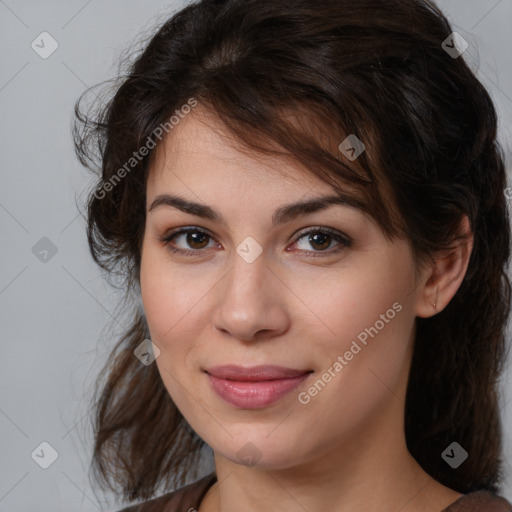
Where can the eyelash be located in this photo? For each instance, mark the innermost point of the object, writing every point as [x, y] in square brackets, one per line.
[343, 240]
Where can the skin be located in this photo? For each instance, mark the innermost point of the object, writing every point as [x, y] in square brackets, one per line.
[345, 450]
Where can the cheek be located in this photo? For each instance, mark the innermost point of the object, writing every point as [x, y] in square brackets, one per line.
[167, 293]
[172, 321]
[363, 363]
[175, 302]
[343, 306]
[367, 318]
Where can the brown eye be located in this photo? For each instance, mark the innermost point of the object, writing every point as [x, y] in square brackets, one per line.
[321, 241]
[196, 239]
[189, 242]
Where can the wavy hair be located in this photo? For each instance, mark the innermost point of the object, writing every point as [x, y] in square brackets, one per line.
[370, 68]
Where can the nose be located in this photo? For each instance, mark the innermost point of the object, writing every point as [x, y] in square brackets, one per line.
[251, 302]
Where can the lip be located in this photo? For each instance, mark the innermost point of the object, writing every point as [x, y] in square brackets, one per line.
[254, 387]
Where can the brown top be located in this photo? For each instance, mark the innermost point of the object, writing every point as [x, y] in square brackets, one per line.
[188, 498]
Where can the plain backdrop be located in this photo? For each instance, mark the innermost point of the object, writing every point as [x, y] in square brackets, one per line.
[54, 302]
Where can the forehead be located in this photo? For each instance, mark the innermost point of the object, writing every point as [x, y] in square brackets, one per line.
[201, 151]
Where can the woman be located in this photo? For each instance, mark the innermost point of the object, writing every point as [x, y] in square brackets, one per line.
[308, 198]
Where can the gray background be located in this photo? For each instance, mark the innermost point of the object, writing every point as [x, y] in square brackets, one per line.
[54, 313]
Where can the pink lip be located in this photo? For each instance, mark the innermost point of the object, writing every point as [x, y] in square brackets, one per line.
[254, 387]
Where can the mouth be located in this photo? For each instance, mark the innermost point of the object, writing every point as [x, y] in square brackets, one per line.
[254, 373]
[254, 387]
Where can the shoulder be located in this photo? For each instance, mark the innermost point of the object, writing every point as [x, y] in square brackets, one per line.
[182, 499]
[480, 501]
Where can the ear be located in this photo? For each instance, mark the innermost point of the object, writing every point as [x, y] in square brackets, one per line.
[441, 279]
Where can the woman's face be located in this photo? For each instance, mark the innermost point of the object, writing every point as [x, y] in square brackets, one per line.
[260, 287]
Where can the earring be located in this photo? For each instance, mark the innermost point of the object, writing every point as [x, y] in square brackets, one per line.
[435, 302]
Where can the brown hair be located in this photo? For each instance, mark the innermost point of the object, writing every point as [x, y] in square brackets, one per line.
[370, 68]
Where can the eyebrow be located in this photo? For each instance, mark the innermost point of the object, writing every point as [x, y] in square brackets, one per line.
[281, 215]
